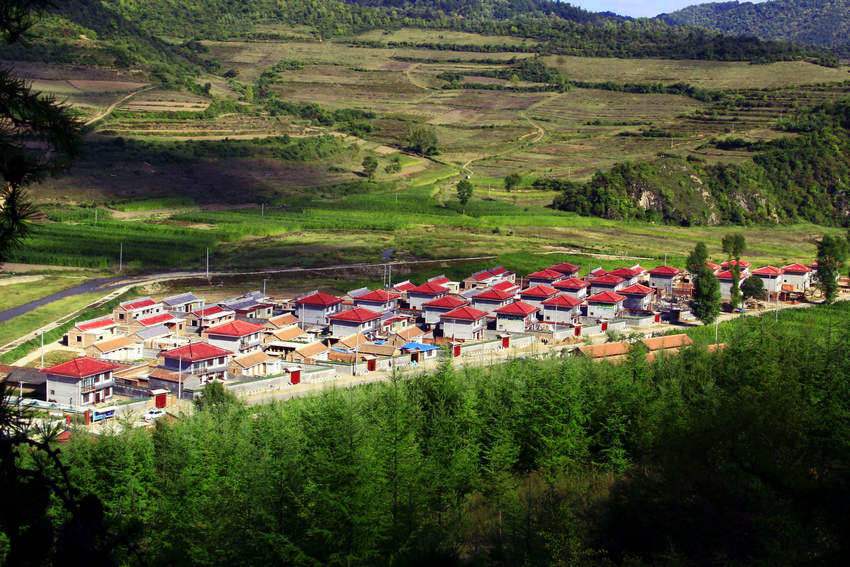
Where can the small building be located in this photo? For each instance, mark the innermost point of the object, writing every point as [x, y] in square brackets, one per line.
[799, 276]
[605, 305]
[86, 333]
[410, 334]
[310, 353]
[668, 343]
[210, 317]
[771, 279]
[175, 325]
[516, 317]
[663, 279]
[183, 303]
[250, 308]
[80, 382]
[608, 282]
[379, 300]
[638, 297]
[284, 335]
[202, 361]
[465, 323]
[725, 278]
[316, 307]
[507, 286]
[424, 293]
[403, 287]
[492, 299]
[432, 310]
[503, 275]
[535, 296]
[562, 309]
[357, 320]
[545, 277]
[605, 352]
[119, 348]
[237, 336]
[420, 352]
[452, 286]
[254, 365]
[481, 280]
[630, 275]
[569, 270]
[280, 322]
[129, 311]
[573, 287]
[151, 336]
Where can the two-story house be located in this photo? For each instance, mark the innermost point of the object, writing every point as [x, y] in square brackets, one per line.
[316, 307]
[80, 382]
[240, 337]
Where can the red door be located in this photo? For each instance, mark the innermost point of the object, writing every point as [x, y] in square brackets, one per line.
[295, 377]
[456, 350]
[371, 365]
[506, 342]
[578, 331]
[160, 400]
[604, 326]
[658, 317]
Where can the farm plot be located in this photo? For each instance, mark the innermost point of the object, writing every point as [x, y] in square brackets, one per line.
[413, 35]
[235, 126]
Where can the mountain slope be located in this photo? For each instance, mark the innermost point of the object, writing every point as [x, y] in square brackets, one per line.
[812, 22]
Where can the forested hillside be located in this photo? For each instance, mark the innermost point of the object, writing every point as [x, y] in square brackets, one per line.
[802, 178]
[811, 22]
[729, 458]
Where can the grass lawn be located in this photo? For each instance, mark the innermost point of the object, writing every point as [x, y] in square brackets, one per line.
[43, 315]
[53, 358]
[13, 295]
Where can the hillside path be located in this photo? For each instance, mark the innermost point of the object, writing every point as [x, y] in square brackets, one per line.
[112, 106]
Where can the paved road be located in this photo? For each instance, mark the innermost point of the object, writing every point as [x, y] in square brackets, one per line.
[91, 286]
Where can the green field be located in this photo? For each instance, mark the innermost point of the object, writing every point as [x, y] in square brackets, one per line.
[12, 295]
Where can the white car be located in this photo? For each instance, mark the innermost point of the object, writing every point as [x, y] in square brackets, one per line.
[152, 414]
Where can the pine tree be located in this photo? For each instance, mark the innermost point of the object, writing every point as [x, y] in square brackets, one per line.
[832, 251]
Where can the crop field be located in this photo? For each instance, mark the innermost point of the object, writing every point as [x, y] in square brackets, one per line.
[413, 35]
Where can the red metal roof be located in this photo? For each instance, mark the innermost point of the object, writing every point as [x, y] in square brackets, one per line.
[665, 271]
[319, 298]
[636, 289]
[428, 288]
[80, 368]
[571, 283]
[727, 275]
[539, 291]
[712, 266]
[195, 352]
[446, 302]
[606, 297]
[138, 304]
[406, 286]
[96, 324]
[498, 271]
[625, 273]
[378, 296]
[607, 279]
[356, 315]
[466, 313]
[210, 311]
[549, 275]
[744, 264]
[439, 280]
[565, 268]
[563, 300]
[771, 271]
[235, 328]
[505, 286]
[797, 268]
[483, 275]
[157, 319]
[517, 308]
[493, 294]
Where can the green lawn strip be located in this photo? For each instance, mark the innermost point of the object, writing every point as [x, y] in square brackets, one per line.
[13, 295]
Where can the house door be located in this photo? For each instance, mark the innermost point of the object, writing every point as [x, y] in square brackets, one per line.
[456, 350]
[160, 400]
[506, 342]
[371, 365]
[295, 377]
[414, 357]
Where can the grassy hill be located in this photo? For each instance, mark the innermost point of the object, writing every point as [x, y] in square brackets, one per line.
[811, 22]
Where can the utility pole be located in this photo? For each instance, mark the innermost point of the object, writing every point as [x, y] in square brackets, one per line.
[95, 215]
[264, 286]
[42, 349]
[179, 380]
[208, 263]
[121, 257]
[262, 209]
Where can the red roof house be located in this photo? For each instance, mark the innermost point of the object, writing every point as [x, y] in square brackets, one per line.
[465, 323]
[515, 317]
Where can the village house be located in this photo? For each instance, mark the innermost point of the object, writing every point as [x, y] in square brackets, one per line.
[420, 352]
[151, 337]
[630, 275]
[573, 287]
[562, 309]
[237, 336]
[569, 270]
[452, 286]
[605, 352]
[209, 317]
[86, 333]
[403, 287]
[507, 286]
[663, 279]
[280, 322]
[183, 303]
[491, 299]
[771, 279]
[516, 317]
[424, 293]
[431, 310]
[174, 324]
[80, 382]
[286, 334]
[357, 320]
[595, 273]
[396, 322]
[315, 307]
[535, 296]
[465, 323]
[129, 311]
[410, 334]
[605, 305]
[545, 277]
[310, 353]
[379, 300]
[202, 361]
[744, 265]
[250, 308]
[118, 348]
[608, 282]
[725, 278]
[798, 276]
[503, 275]
[254, 365]
[638, 297]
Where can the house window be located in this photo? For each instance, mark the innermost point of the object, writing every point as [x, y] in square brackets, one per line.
[52, 392]
[121, 316]
[79, 339]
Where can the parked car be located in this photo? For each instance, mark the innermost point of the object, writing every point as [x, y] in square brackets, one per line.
[152, 414]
